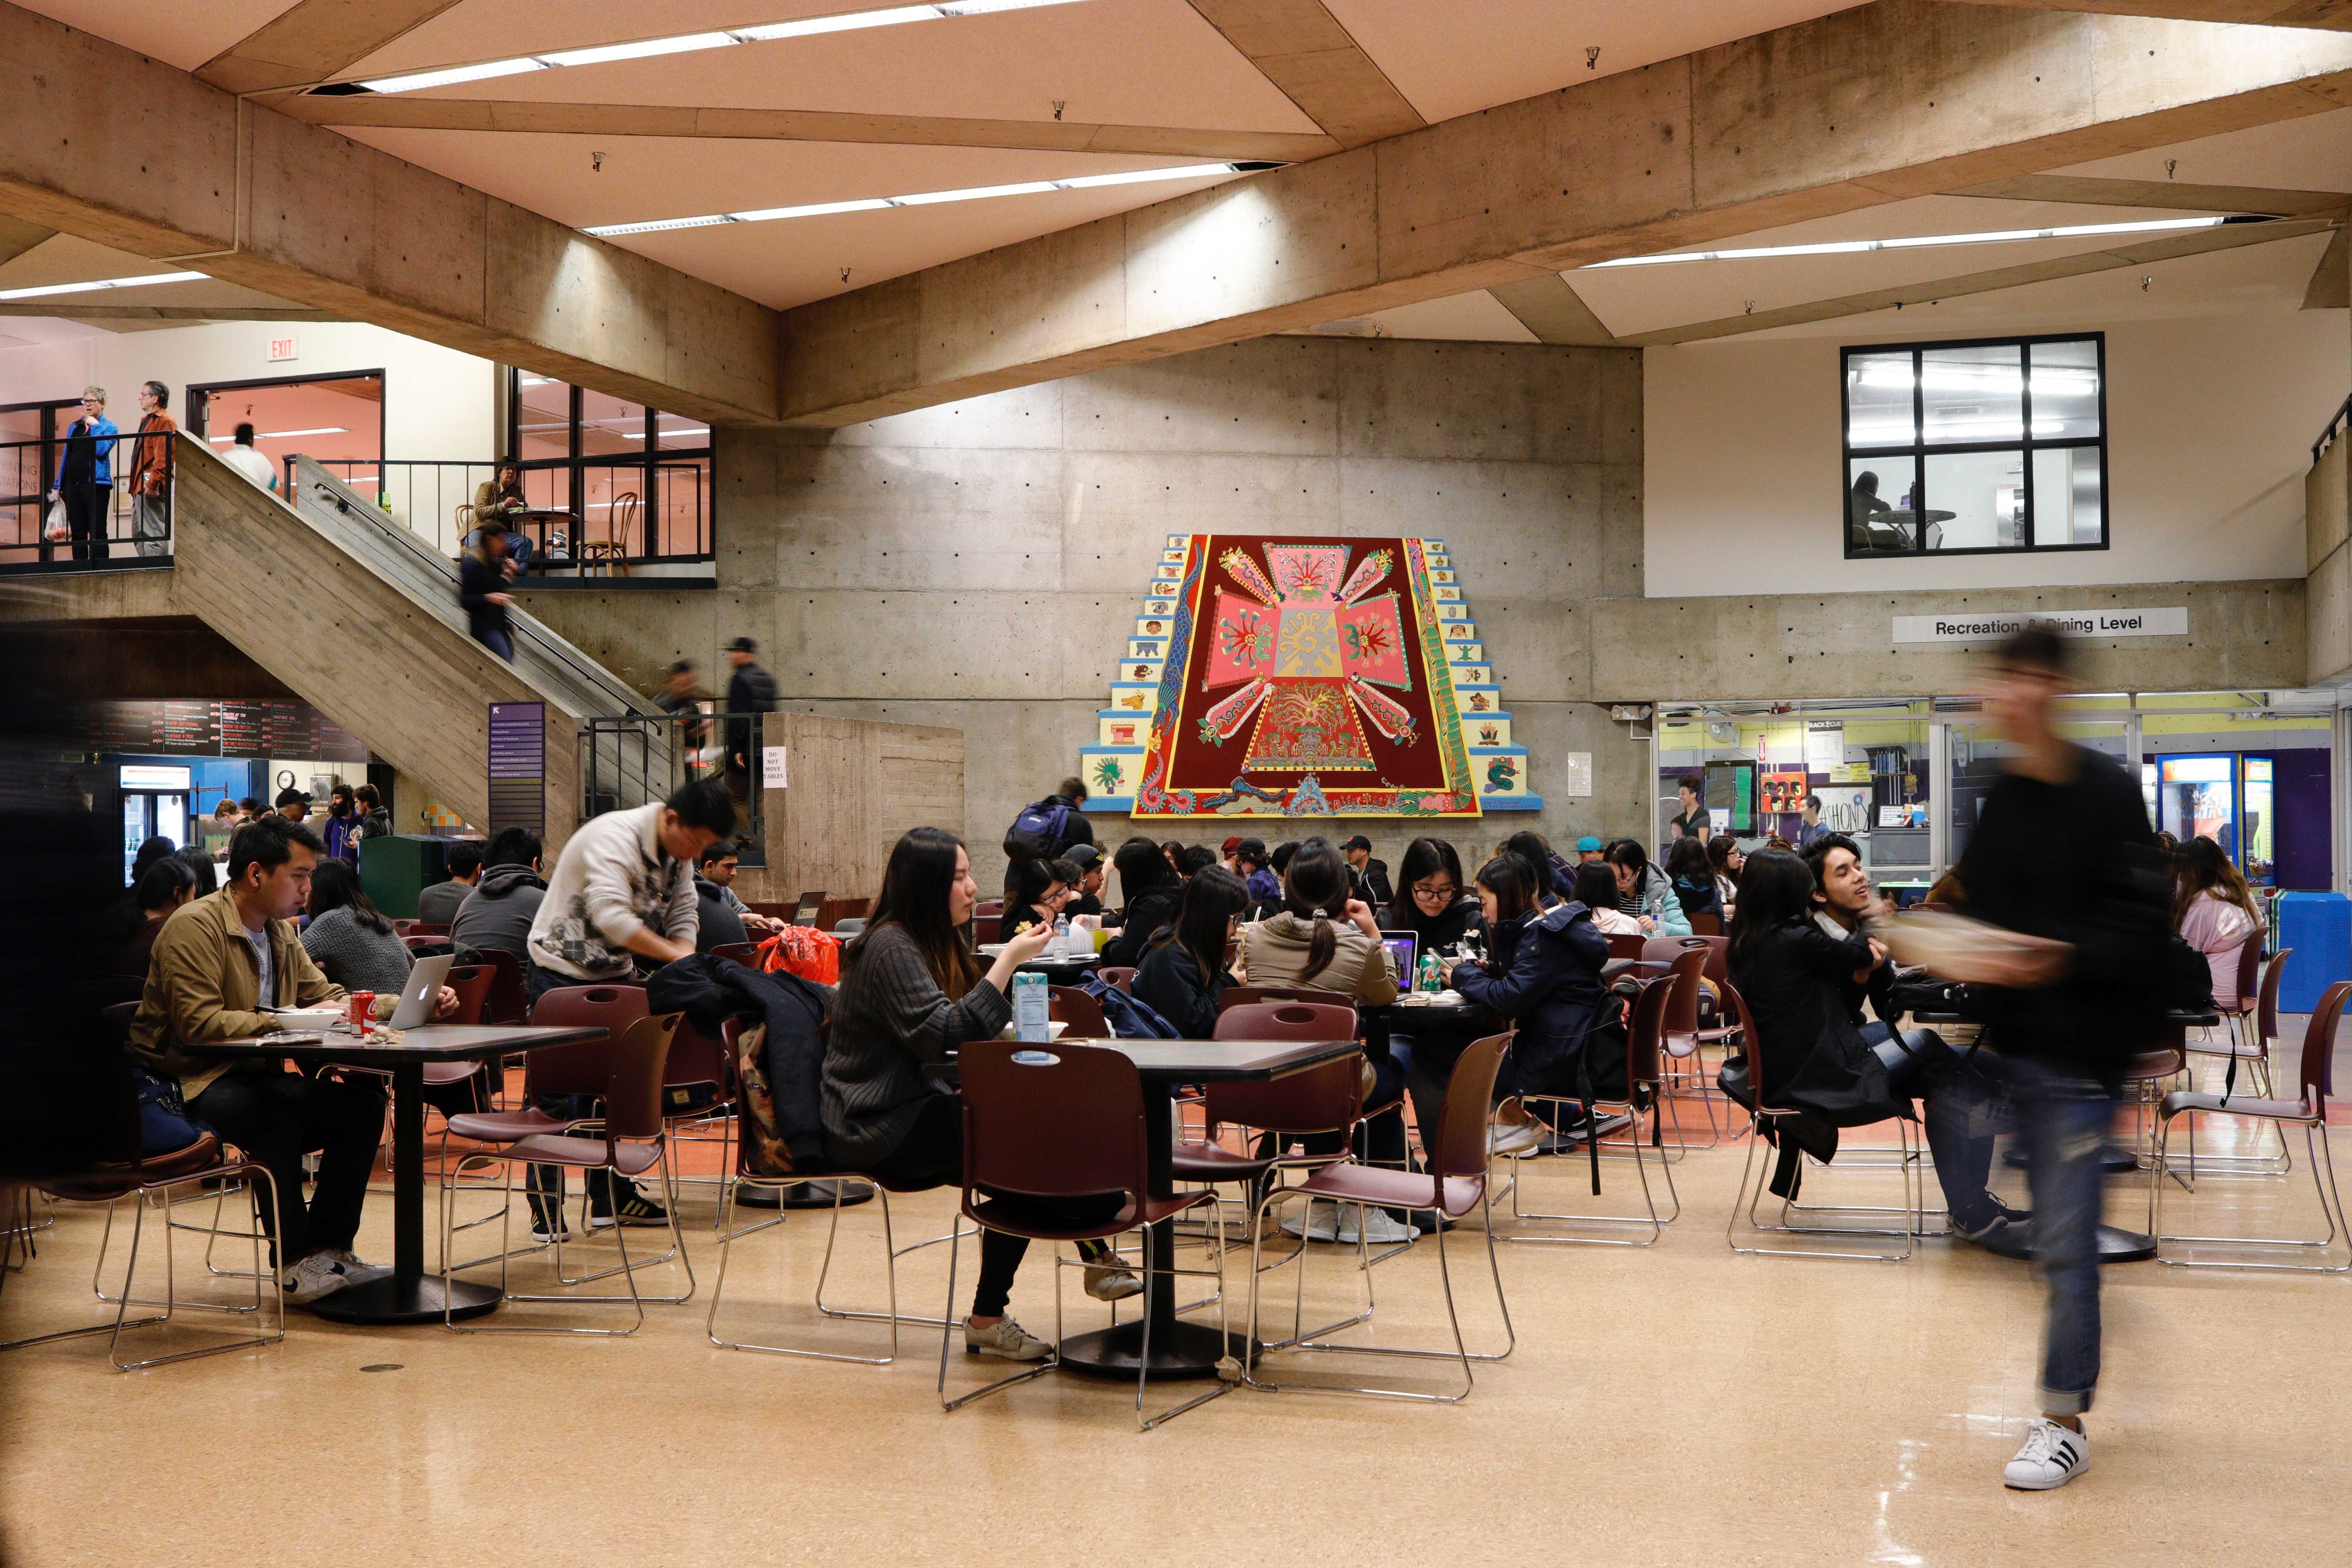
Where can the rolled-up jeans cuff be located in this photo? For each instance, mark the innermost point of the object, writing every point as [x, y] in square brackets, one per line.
[2066, 1400]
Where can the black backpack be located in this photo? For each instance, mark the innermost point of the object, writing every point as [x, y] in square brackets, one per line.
[1037, 833]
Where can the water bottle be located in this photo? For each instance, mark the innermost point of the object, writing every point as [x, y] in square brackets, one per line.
[1060, 946]
[1030, 1008]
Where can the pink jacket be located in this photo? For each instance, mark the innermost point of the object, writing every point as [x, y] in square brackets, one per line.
[2218, 929]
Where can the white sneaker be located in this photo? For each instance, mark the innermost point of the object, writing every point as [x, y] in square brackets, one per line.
[1517, 1139]
[1321, 1220]
[2052, 1455]
[1381, 1228]
[316, 1277]
[1004, 1338]
[357, 1269]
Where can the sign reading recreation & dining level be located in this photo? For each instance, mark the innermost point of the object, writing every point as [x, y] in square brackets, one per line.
[1985, 626]
[1304, 677]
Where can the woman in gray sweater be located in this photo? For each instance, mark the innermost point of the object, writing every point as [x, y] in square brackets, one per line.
[911, 992]
[351, 943]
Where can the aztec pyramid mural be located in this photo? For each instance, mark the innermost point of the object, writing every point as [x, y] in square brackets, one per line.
[1304, 677]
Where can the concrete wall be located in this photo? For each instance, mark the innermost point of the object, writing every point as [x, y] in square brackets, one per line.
[2210, 429]
[977, 566]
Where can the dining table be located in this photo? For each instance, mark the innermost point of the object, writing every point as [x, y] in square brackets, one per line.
[1181, 1348]
[407, 1294]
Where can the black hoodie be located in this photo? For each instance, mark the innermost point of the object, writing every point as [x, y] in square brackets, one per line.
[498, 911]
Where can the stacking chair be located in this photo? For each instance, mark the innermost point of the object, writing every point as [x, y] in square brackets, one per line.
[743, 952]
[1082, 1013]
[1643, 1093]
[2251, 1020]
[1118, 977]
[630, 1143]
[1763, 1113]
[698, 1089]
[1683, 1039]
[1233, 996]
[1623, 945]
[1455, 1185]
[510, 996]
[1324, 1103]
[2309, 1111]
[1057, 1124]
[731, 1035]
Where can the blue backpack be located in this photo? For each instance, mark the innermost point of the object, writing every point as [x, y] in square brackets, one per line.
[1129, 1018]
[1037, 833]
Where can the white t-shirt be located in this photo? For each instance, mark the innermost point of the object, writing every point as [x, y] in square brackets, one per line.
[252, 464]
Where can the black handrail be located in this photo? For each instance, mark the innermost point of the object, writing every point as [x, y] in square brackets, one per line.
[128, 533]
[2335, 428]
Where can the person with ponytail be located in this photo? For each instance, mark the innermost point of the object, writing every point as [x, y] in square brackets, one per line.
[911, 992]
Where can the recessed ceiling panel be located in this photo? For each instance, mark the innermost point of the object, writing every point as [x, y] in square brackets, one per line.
[1476, 317]
[2313, 153]
[173, 31]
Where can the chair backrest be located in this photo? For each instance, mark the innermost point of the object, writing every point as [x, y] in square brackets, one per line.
[2249, 962]
[1326, 1098]
[695, 1059]
[1118, 977]
[472, 984]
[1707, 922]
[416, 943]
[1250, 996]
[625, 518]
[509, 997]
[424, 928]
[742, 953]
[2319, 1044]
[1667, 949]
[1461, 1148]
[849, 925]
[580, 1070]
[1334, 1020]
[1750, 1044]
[1623, 945]
[1083, 1014]
[1648, 1026]
[2266, 1014]
[633, 1091]
[988, 910]
[1061, 1121]
[402, 928]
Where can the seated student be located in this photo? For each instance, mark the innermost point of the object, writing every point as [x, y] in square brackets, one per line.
[498, 913]
[911, 992]
[1435, 906]
[1184, 969]
[1174, 854]
[1256, 869]
[719, 925]
[349, 941]
[206, 869]
[718, 866]
[1371, 875]
[1596, 889]
[1723, 854]
[1150, 885]
[1553, 875]
[1039, 894]
[1199, 858]
[1643, 892]
[1326, 939]
[216, 963]
[1691, 876]
[1085, 893]
[1545, 978]
[2214, 912]
[1798, 981]
[168, 885]
[438, 904]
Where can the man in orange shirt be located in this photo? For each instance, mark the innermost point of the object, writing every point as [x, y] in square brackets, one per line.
[151, 472]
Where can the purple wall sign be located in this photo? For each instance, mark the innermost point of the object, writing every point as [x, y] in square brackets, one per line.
[518, 766]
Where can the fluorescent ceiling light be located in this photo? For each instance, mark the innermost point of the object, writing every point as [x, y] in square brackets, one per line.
[1949, 430]
[48, 289]
[287, 435]
[686, 43]
[1917, 242]
[929, 198]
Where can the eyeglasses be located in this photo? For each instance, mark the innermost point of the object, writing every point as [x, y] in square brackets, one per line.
[1444, 890]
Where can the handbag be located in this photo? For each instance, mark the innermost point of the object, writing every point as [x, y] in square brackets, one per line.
[58, 528]
[166, 1125]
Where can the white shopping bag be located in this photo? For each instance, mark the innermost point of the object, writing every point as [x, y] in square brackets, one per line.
[56, 529]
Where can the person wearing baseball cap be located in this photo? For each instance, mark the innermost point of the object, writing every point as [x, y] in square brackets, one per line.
[1231, 851]
[1087, 900]
[750, 690]
[1372, 876]
[1588, 850]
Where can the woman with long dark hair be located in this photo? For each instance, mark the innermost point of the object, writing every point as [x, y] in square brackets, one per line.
[1819, 1056]
[1149, 883]
[1545, 977]
[1643, 892]
[1430, 901]
[1184, 969]
[1723, 854]
[1552, 876]
[348, 938]
[911, 992]
[1038, 894]
[2215, 911]
[1691, 877]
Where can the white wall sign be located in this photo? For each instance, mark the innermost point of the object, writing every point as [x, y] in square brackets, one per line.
[1576, 770]
[1825, 744]
[1991, 625]
[772, 767]
[282, 349]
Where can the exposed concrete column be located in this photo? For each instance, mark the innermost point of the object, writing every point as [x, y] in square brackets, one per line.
[105, 143]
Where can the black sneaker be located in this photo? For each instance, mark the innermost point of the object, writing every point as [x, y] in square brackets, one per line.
[633, 1207]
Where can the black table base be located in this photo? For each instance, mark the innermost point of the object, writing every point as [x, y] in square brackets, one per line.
[393, 1300]
[2116, 1245]
[2115, 1160]
[1180, 1350]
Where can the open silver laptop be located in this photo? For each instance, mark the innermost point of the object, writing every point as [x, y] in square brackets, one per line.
[423, 989]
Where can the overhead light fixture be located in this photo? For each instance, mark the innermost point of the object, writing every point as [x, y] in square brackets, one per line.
[687, 43]
[47, 290]
[285, 435]
[930, 198]
[1921, 242]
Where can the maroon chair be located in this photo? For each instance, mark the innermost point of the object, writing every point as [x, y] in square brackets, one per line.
[1666, 949]
[510, 996]
[1303, 1103]
[1456, 1183]
[1119, 976]
[1623, 945]
[1081, 1014]
[747, 1173]
[2252, 1020]
[421, 928]
[1247, 995]
[1644, 1034]
[1684, 1034]
[1707, 922]
[472, 983]
[630, 1143]
[743, 952]
[699, 1088]
[1041, 1128]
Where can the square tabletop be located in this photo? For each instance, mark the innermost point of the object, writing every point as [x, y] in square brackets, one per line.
[430, 1042]
[1224, 1061]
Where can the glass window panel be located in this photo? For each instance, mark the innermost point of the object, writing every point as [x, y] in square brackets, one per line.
[542, 418]
[676, 432]
[1878, 496]
[683, 519]
[1975, 501]
[1974, 393]
[2065, 390]
[1878, 400]
[2261, 861]
[2067, 505]
[608, 427]
[2195, 799]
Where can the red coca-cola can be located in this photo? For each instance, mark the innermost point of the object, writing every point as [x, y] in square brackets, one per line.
[363, 1010]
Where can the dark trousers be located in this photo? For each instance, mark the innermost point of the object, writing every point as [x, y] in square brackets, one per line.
[1960, 1108]
[538, 981]
[87, 506]
[496, 640]
[278, 1117]
[931, 1155]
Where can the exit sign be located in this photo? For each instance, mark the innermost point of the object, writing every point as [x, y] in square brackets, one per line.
[281, 349]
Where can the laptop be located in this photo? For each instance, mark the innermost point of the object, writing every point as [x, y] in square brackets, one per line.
[422, 992]
[804, 913]
[1404, 955]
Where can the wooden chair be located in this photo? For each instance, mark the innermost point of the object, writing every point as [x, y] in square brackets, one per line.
[612, 552]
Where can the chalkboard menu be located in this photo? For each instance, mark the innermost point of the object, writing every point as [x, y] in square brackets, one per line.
[196, 728]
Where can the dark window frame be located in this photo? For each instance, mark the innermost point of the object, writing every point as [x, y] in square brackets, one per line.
[575, 464]
[196, 399]
[1918, 449]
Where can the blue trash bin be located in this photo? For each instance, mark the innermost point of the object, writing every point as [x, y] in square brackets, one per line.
[2318, 926]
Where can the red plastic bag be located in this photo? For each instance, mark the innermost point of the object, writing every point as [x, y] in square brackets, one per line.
[812, 954]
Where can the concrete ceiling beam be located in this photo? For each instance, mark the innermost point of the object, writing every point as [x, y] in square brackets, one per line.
[1312, 59]
[2336, 15]
[2331, 280]
[801, 125]
[1550, 307]
[2074, 190]
[1873, 105]
[108, 145]
[312, 41]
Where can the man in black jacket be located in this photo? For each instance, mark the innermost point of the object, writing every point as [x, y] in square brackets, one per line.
[750, 690]
[2061, 852]
[1373, 874]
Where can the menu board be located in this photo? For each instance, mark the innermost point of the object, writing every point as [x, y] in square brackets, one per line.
[518, 765]
[198, 728]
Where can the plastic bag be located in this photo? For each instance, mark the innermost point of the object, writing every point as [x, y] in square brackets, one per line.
[59, 529]
[812, 954]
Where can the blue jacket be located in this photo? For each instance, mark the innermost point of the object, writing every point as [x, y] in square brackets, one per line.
[1264, 886]
[1658, 901]
[1550, 987]
[101, 471]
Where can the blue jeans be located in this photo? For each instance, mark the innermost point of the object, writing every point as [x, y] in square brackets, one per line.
[499, 643]
[1959, 1114]
[2063, 1118]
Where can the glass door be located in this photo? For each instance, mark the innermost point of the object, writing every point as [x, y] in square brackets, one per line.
[2197, 797]
[2256, 857]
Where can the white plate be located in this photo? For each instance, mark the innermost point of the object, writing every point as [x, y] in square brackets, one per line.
[308, 1017]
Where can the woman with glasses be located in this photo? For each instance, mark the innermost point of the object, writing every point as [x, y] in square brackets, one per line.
[1431, 903]
[1040, 889]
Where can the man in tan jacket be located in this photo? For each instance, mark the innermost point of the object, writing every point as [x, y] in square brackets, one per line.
[215, 962]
